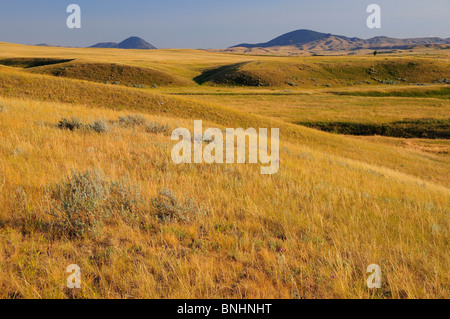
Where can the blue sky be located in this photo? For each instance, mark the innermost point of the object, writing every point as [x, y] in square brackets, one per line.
[214, 24]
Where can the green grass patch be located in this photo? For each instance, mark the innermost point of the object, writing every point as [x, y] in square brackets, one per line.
[441, 93]
[32, 62]
[423, 128]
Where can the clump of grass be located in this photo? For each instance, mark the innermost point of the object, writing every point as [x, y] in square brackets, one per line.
[21, 197]
[2, 108]
[170, 209]
[137, 120]
[18, 151]
[84, 200]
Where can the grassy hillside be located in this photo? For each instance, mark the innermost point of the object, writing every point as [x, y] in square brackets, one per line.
[325, 106]
[103, 192]
[421, 113]
[22, 85]
[332, 72]
[110, 73]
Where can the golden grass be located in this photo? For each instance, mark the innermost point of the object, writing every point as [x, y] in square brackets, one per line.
[21, 84]
[114, 74]
[337, 217]
[337, 205]
[319, 107]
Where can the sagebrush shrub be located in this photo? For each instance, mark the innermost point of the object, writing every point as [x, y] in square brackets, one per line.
[100, 126]
[137, 120]
[156, 128]
[84, 200]
[70, 124]
[132, 120]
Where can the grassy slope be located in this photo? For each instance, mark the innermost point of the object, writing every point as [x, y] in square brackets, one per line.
[330, 72]
[324, 107]
[21, 84]
[114, 74]
[316, 246]
[346, 202]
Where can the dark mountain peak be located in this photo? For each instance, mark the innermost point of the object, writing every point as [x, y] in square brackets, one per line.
[303, 35]
[297, 37]
[135, 43]
[130, 43]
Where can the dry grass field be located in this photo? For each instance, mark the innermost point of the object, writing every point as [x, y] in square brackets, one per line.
[86, 176]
